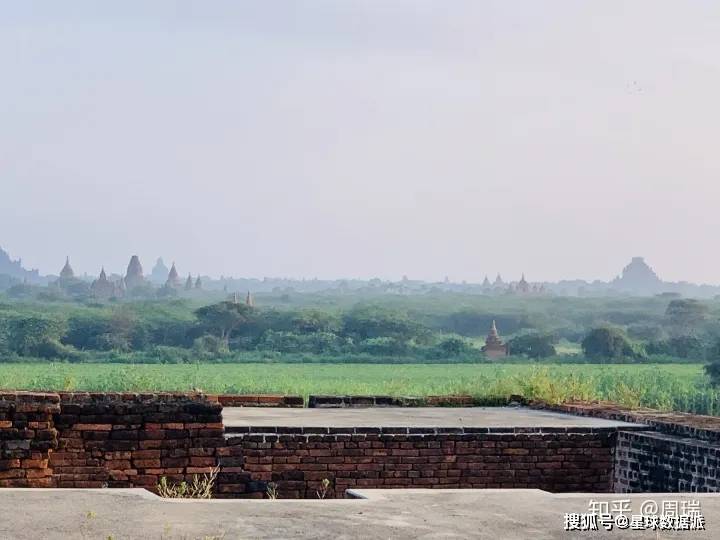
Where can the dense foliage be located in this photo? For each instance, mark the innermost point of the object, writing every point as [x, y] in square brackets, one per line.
[442, 326]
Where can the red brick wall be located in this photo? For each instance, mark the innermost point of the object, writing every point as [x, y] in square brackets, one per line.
[132, 440]
[298, 463]
[27, 436]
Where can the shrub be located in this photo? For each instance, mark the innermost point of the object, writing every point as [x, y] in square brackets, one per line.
[454, 347]
[208, 345]
[201, 487]
[608, 343]
[533, 345]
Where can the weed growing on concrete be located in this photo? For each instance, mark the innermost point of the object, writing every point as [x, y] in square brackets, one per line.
[201, 487]
[323, 491]
[271, 491]
[85, 525]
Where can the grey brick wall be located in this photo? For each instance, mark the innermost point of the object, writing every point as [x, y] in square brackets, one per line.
[652, 462]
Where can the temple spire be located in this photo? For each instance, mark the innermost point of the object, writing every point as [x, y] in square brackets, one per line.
[494, 346]
[493, 330]
[173, 279]
[67, 271]
[134, 274]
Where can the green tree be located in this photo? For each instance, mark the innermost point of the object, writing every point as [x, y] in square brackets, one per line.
[209, 346]
[681, 347]
[608, 343]
[686, 316]
[224, 318]
[713, 368]
[309, 321]
[369, 322]
[533, 345]
[453, 347]
[29, 335]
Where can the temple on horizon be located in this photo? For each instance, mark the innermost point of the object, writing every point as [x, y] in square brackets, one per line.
[494, 346]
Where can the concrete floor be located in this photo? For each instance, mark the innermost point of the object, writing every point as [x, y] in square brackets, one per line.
[482, 417]
[413, 514]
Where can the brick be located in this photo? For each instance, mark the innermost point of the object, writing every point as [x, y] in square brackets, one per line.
[92, 427]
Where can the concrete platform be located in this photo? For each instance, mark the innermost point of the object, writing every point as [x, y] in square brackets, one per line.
[256, 419]
[496, 514]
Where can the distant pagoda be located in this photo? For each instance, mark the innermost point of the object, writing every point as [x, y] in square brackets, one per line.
[134, 276]
[159, 273]
[523, 287]
[494, 346]
[67, 276]
[67, 273]
[103, 288]
[173, 280]
[638, 278]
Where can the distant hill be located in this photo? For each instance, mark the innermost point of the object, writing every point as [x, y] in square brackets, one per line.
[15, 271]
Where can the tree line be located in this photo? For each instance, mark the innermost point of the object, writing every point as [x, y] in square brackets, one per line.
[180, 331]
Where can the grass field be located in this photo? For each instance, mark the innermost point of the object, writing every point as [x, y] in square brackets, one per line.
[667, 386]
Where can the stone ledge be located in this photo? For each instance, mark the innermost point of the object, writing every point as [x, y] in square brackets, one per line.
[692, 426]
[258, 400]
[330, 401]
[418, 432]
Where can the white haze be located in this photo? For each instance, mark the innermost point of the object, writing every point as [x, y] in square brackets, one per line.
[362, 139]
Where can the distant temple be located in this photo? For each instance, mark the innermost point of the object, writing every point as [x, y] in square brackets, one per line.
[105, 289]
[249, 300]
[134, 276]
[67, 273]
[67, 277]
[523, 288]
[173, 279]
[159, 273]
[494, 346]
[638, 277]
[14, 269]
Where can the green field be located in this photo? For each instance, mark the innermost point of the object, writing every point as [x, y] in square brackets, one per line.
[667, 386]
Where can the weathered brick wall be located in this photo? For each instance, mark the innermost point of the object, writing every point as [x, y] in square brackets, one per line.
[91, 440]
[403, 458]
[679, 452]
[651, 462]
[132, 440]
[258, 400]
[686, 425]
[27, 436]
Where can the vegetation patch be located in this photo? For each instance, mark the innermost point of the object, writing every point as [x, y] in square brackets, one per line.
[681, 387]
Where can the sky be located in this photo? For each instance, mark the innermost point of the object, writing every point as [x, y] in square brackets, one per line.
[343, 139]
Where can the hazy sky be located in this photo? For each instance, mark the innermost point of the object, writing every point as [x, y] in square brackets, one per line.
[363, 138]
